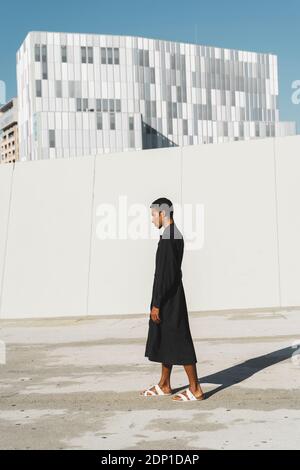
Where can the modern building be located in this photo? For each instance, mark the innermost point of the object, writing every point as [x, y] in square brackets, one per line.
[87, 94]
[9, 139]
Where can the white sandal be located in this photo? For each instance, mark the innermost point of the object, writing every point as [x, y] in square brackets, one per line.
[151, 393]
[188, 397]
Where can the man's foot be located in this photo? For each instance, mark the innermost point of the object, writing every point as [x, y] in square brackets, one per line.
[157, 390]
[189, 395]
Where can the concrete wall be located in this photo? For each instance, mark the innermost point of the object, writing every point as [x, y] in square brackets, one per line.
[238, 265]
[54, 264]
[6, 172]
[288, 198]
[47, 253]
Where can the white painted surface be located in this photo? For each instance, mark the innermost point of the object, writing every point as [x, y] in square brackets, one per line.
[53, 225]
[46, 269]
[6, 172]
[238, 263]
[122, 271]
[288, 190]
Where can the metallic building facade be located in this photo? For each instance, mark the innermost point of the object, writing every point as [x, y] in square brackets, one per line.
[88, 94]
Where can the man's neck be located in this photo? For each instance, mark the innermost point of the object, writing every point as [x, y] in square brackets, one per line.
[168, 222]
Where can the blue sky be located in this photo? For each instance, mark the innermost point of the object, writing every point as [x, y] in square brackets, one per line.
[262, 26]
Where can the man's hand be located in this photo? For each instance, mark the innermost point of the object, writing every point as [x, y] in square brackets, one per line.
[155, 315]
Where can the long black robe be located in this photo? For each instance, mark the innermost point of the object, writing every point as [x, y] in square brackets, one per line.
[170, 341]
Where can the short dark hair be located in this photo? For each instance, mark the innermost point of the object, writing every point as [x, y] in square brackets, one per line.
[163, 204]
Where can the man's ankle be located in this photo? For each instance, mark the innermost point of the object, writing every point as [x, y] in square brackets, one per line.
[195, 388]
[165, 384]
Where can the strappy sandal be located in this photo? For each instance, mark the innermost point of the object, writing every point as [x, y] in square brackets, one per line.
[189, 396]
[151, 393]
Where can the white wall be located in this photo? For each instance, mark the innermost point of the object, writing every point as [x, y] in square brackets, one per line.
[288, 195]
[122, 272]
[54, 264]
[47, 256]
[238, 265]
[6, 172]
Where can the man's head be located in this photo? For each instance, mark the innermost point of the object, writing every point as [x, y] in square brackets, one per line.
[161, 211]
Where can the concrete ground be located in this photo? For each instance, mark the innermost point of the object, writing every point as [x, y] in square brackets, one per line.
[74, 384]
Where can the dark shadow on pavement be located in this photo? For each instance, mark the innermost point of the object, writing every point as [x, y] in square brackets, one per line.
[240, 372]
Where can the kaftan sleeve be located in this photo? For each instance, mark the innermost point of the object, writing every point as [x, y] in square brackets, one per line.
[166, 273]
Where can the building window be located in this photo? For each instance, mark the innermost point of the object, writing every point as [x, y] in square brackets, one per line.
[58, 89]
[141, 58]
[174, 110]
[44, 62]
[99, 121]
[35, 133]
[105, 105]
[98, 105]
[90, 55]
[103, 55]
[148, 108]
[44, 53]
[185, 126]
[112, 119]
[257, 133]
[71, 89]
[83, 55]
[44, 70]
[173, 61]
[85, 104]
[152, 75]
[153, 109]
[146, 58]
[225, 129]
[38, 88]
[64, 54]
[51, 138]
[131, 123]
[116, 56]
[109, 55]
[111, 105]
[37, 53]
[78, 104]
[131, 140]
[179, 95]
[118, 106]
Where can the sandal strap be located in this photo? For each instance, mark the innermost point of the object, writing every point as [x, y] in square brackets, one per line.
[190, 394]
[159, 390]
[149, 392]
[182, 396]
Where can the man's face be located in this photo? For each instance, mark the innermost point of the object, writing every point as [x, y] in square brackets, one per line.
[157, 218]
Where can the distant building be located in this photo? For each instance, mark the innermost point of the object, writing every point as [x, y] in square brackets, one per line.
[9, 139]
[87, 94]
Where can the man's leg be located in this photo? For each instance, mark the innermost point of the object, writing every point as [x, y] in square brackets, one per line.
[165, 380]
[195, 387]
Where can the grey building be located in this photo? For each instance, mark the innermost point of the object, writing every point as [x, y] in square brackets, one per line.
[87, 94]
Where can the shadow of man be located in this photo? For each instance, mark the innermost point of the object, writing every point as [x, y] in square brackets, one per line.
[240, 372]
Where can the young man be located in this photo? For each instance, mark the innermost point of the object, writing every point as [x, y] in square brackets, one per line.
[169, 338]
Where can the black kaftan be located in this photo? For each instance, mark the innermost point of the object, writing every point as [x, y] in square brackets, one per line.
[170, 341]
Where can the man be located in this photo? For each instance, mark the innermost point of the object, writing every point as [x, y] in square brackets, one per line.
[169, 338]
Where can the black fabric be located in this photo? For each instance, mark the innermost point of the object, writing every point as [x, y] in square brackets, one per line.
[170, 341]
